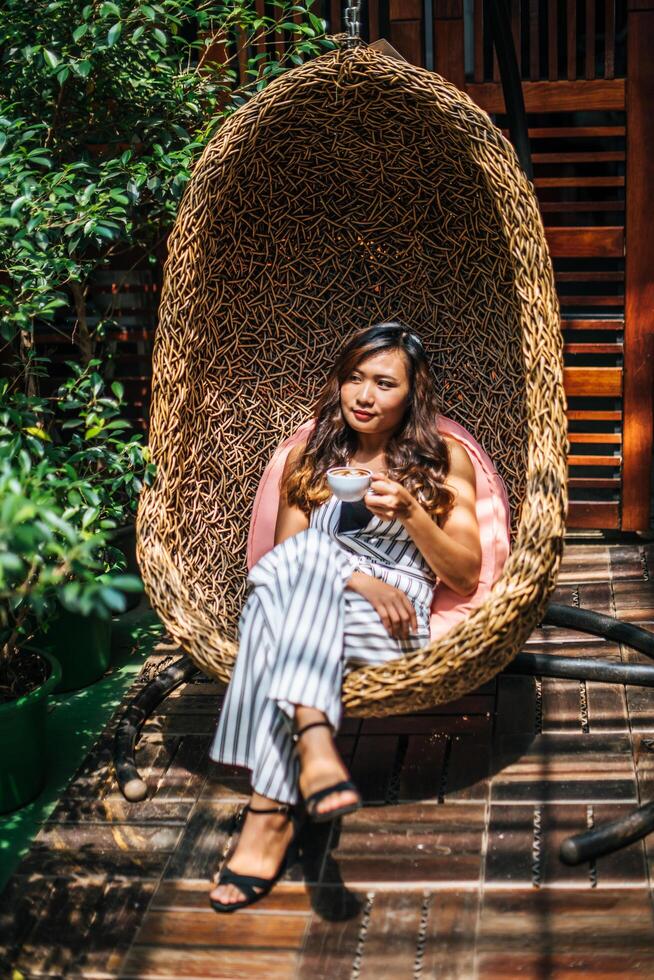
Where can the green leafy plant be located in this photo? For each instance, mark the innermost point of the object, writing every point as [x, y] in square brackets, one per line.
[106, 107]
[46, 560]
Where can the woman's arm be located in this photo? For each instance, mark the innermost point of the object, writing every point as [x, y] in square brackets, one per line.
[290, 519]
[453, 552]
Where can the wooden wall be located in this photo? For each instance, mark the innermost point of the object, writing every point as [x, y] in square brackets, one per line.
[592, 141]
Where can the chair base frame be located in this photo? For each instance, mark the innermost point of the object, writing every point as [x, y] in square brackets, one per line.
[586, 846]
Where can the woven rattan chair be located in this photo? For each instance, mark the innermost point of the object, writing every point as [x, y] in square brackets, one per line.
[353, 189]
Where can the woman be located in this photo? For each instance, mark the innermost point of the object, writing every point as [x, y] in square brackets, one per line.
[345, 584]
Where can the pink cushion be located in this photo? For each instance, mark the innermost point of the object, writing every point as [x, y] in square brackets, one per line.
[448, 608]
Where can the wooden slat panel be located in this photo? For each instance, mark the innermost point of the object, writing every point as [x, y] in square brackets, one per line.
[593, 514]
[594, 460]
[590, 156]
[609, 35]
[552, 42]
[588, 415]
[579, 182]
[590, 242]
[479, 40]
[533, 40]
[639, 283]
[554, 96]
[516, 29]
[594, 483]
[593, 348]
[590, 39]
[593, 381]
[571, 36]
[581, 206]
[335, 24]
[591, 301]
[406, 37]
[373, 19]
[583, 276]
[576, 132]
[449, 50]
[614, 438]
[586, 324]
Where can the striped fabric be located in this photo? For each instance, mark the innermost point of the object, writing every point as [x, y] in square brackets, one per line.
[301, 629]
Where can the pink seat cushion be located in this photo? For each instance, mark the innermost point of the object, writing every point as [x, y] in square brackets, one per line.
[448, 608]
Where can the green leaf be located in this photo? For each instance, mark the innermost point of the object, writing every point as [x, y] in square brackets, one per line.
[114, 33]
[50, 58]
[118, 389]
[35, 430]
[10, 222]
[160, 37]
[137, 33]
[80, 32]
[83, 68]
[93, 432]
[148, 12]
[113, 599]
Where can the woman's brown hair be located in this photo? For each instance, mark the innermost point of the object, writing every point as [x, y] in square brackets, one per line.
[417, 456]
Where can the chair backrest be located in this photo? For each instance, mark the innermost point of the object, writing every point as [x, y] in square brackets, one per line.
[492, 506]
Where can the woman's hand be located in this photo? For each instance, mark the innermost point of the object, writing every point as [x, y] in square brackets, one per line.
[389, 500]
[393, 606]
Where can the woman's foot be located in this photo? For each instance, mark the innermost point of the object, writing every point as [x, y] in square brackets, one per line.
[262, 844]
[320, 764]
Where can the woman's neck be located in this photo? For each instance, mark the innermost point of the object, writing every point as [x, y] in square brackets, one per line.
[370, 450]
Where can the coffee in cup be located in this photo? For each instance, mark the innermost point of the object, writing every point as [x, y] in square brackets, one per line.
[349, 483]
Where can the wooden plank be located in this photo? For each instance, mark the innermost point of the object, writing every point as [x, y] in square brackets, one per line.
[593, 348]
[406, 37]
[180, 962]
[594, 483]
[575, 132]
[585, 324]
[590, 39]
[609, 39]
[595, 437]
[606, 242]
[580, 206]
[607, 707]
[579, 460]
[330, 946]
[422, 768]
[563, 96]
[468, 770]
[449, 936]
[564, 933]
[606, 382]
[479, 40]
[564, 768]
[582, 156]
[579, 182]
[534, 67]
[392, 934]
[583, 275]
[119, 913]
[561, 705]
[593, 514]
[639, 310]
[585, 300]
[552, 42]
[581, 414]
[449, 50]
[571, 38]
[412, 843]
[200, 848]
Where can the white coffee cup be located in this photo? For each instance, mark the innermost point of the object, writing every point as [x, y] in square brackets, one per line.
[349, 483]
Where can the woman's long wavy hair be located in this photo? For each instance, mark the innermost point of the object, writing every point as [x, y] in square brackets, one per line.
[416, 455]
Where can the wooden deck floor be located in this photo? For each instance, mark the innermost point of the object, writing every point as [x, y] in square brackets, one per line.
[450, 871]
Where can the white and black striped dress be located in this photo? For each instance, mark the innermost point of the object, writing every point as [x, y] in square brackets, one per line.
[301, 630]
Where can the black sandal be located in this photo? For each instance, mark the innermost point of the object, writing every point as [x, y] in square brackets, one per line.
[312, 801]
[255, 888]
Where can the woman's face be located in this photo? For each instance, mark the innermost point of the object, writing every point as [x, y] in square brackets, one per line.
[375, 395]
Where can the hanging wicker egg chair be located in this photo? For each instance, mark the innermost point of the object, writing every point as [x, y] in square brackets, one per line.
[353, 189]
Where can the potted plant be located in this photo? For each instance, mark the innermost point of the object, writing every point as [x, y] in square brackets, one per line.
[95, 476]
[44, 558]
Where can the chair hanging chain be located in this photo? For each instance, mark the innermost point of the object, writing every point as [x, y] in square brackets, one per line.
[352, 21]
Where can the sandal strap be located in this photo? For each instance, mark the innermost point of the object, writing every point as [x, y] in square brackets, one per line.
[313, 724]
[245, 883]
[284, 808]
[315, 798]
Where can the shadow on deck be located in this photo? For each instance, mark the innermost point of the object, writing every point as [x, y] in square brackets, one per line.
[451, 869]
